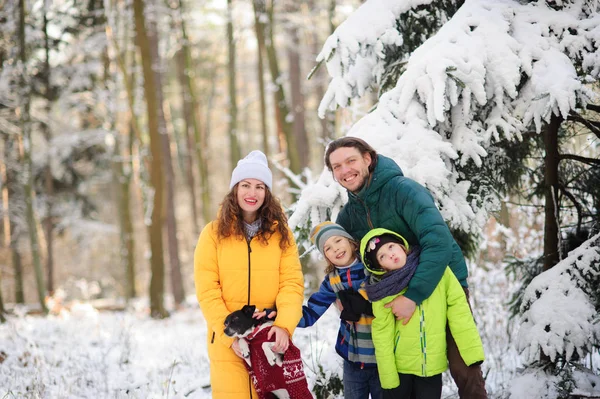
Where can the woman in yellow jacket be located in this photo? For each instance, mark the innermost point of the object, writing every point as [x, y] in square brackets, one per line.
[247, 256]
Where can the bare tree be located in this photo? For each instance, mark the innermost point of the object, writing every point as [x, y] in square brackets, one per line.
[48, 222]
[28, 163]
[284, 127]
[259, 28]
[171, 221]
[234, 147]
[12, 232]
[297, 96]
[157, 282]
[193, 134]
[122, 160]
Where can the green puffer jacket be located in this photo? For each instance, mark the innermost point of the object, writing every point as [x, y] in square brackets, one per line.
[392, 201]
[419, 347]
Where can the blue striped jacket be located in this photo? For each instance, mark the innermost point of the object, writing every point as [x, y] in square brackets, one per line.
[354, 342]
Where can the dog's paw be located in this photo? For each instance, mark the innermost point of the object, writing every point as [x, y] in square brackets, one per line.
[244, 348]
[273, 358]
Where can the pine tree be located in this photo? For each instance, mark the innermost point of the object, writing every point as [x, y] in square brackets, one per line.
[465, 101]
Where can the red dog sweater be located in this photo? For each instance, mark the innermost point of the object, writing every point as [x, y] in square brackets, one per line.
[267, 378]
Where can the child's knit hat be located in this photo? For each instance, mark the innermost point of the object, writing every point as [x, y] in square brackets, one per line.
[373, 246]
[253, 166]
[323, 231]
[373, 241]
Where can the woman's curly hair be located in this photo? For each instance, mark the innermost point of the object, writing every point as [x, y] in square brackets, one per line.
[231, 221]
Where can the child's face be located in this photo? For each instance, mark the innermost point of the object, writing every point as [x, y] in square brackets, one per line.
[339, 251]
[391, 256]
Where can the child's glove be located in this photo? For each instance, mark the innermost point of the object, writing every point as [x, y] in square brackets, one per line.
[354, 305]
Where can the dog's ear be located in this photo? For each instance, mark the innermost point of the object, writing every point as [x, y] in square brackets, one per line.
[248, 310]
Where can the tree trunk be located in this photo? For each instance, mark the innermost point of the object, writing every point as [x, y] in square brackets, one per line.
[48, 222]
[328, 122]
[551, 224]
[171, 221]
[297, 97]
[259, 28]
[2, 309]
[190, 124]
[12, 159]
[28, 164]
[234, 147]
[126, 241]
[127, 233]
[284, 127]
[200, 145]
[157, 281]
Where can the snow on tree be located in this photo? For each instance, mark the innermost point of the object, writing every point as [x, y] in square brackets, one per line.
[491, 71]
[560, 320]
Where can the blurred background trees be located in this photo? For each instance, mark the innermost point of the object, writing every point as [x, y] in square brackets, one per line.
[120, 123]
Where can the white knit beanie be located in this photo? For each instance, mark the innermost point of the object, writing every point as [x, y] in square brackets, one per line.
[253, 166]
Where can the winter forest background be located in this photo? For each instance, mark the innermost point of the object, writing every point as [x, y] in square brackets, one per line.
[122, 120]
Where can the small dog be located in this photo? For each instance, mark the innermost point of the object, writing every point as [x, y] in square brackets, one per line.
[279, 374]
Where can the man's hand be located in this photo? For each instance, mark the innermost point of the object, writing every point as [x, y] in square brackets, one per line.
[403, 308]
[282, 339]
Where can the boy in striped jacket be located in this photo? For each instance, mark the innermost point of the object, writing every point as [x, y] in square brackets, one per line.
[345, 282]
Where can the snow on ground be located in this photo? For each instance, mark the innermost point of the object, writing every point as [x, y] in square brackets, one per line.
[83, 353]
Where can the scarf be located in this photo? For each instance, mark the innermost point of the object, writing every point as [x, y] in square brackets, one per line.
[251, 229]
[393, 282]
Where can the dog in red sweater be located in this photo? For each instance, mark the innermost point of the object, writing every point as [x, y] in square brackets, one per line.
[279, 374]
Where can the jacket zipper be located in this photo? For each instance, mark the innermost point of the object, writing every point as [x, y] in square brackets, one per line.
[248, 302]
[249, 273]
[423, 341]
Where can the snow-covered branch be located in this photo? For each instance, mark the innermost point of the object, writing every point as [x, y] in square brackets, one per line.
[492, 70]
[558, 312]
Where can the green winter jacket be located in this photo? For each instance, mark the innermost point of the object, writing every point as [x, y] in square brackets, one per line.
[392, 201]
[419, 347]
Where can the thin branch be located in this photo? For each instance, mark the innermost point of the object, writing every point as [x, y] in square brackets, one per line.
[587, 161]
[574, 116]
[575, 203]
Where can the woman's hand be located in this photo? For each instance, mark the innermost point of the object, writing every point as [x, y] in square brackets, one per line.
[236, 347]
[282, 339]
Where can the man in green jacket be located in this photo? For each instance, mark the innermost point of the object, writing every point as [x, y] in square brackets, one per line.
[379, 195]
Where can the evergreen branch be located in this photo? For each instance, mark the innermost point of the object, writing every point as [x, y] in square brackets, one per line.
[314, 70]
[585, 160]
[574, 116]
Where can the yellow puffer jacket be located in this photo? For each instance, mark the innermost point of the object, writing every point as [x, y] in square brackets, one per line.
[230, 273]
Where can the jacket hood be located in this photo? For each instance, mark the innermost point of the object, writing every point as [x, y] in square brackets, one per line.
[365, 240]
[385, 170]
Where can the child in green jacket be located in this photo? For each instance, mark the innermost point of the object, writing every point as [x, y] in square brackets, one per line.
[411, 357]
